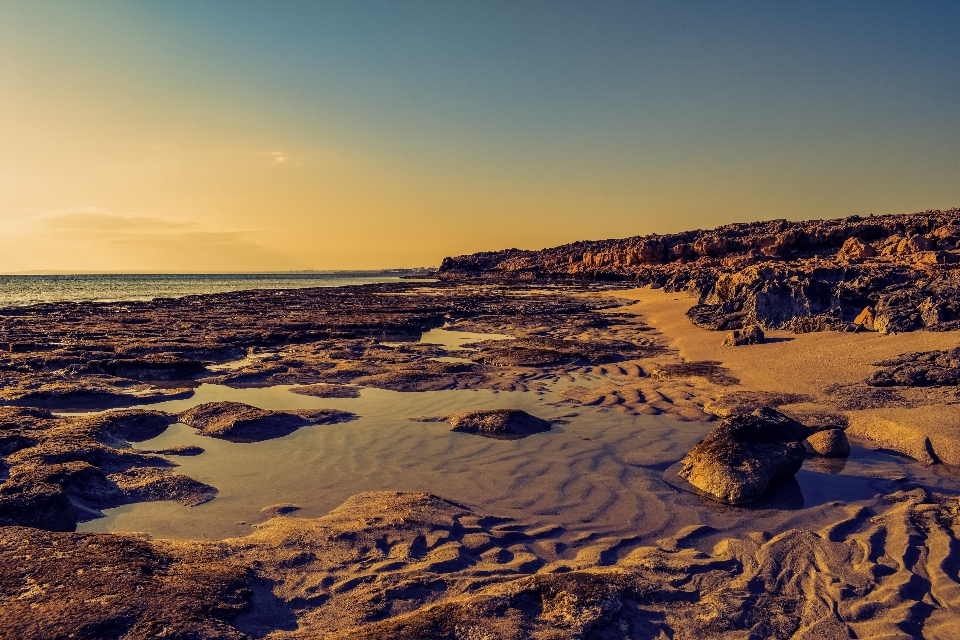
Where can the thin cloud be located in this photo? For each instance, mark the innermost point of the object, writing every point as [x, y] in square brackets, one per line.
[279, 157]
[95, 238]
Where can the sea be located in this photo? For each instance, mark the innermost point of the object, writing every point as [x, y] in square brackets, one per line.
[20, 290]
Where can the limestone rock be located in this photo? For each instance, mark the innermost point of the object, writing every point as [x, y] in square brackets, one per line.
[738, 459]
[238, 422]
[814, 275]
[748, 335]
[499, 423]
[280, 509]
[855, 249]
[865, 318]
[830, 443]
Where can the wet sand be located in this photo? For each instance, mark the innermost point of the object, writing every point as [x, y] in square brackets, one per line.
[537, 525]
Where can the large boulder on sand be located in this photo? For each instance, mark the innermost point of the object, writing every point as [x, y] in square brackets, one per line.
[738, 459]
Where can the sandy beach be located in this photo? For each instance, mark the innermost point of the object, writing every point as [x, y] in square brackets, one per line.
[375, 523]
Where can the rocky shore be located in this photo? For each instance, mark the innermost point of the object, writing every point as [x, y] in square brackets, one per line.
[893, 273]
[845, 344]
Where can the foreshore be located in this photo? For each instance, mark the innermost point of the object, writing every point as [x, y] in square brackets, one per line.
[581, 530]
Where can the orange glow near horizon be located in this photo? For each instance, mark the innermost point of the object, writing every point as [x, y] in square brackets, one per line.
[179, 137]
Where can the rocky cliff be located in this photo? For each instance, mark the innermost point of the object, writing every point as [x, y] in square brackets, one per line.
[891, 273]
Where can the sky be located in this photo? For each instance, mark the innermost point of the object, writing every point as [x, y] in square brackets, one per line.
[252, 136]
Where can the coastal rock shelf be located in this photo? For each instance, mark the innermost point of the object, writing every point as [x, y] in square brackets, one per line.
[635, 477]
[801, 276]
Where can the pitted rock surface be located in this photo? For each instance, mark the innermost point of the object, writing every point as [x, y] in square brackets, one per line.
[737, 461]
[802, 276]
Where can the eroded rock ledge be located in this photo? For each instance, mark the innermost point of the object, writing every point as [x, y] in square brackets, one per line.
[804, 276]
[64, 469]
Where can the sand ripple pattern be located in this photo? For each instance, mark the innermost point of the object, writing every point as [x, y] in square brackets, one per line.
[391, 565]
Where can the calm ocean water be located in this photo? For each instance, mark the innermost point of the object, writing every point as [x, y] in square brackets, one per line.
[24, 290]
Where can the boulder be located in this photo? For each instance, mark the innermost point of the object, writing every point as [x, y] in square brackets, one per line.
[737, 461]
[830, 443]
[748, 335]
[865, 318]
[504, 424]
[855, 249]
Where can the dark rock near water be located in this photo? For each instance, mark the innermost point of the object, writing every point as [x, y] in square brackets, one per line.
[280, 509]
[238, 422]
[830, 443]
[63, 468]
[738, 459]
[501, 424]
[539, 352]
[327, 391]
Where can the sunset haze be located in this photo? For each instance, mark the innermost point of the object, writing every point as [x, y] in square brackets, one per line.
[184, 136]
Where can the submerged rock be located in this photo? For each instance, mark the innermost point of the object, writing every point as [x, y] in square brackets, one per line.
[505, 424]
[327, 391]
[738, 459]
[238, 422]
[280, 509]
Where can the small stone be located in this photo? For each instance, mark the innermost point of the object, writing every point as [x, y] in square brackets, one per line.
[830, 443]
[748, 335]
[280, 509]
[865, 319]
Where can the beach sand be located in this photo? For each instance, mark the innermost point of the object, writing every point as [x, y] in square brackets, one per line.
[408, 530]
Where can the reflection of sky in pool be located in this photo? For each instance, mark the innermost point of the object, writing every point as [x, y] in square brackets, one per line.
[597, 471]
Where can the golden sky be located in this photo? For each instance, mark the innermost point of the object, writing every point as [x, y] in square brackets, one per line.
[241, 136]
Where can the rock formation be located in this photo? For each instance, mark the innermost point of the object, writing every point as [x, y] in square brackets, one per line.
[743, 454]
[64, 469]
[499, 423]
[922, 369]
[748, 335]
[804, 276]
[238, 422]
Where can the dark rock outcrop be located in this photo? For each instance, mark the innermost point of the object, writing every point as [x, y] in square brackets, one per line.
[64, 469]
[238, 422]
[920, 369]
[802, 276]
[737, 461]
